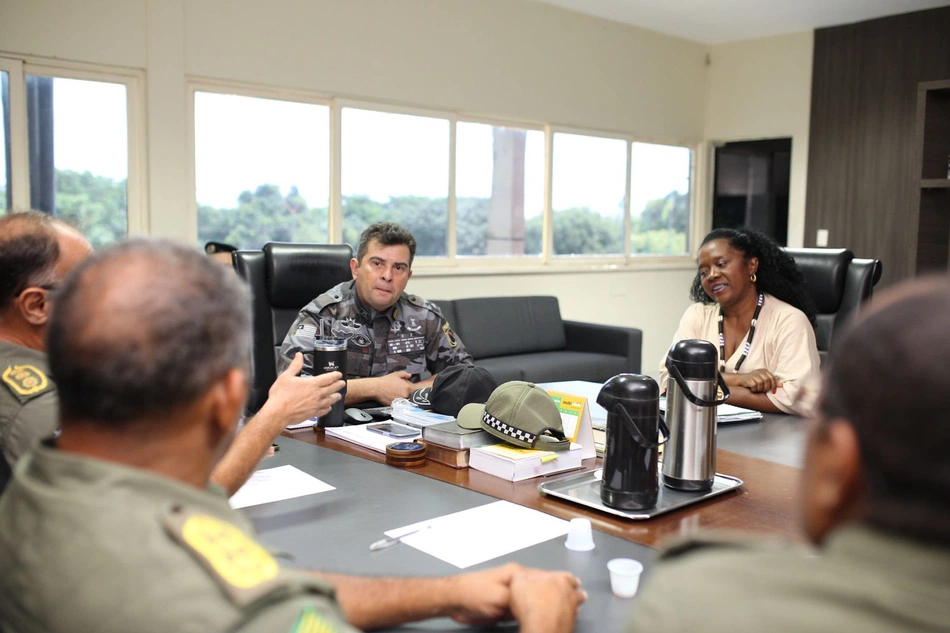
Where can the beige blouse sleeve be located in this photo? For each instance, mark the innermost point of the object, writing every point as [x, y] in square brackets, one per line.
[796, 363]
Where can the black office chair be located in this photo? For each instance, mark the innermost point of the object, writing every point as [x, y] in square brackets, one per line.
[283, 279]
[838, 284]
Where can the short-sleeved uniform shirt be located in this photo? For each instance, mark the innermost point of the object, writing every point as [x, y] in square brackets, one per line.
[28, 402]
[862, 579]
[784, 343]
[410, 336]
[89, 545]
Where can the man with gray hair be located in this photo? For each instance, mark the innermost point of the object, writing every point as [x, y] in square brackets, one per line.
[149, 343]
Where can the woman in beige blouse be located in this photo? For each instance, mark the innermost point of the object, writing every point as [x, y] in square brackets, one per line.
[751, 304]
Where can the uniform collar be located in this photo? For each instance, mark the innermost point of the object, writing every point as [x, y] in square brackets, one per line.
[901, 556]
[23, 352]
[368, 313]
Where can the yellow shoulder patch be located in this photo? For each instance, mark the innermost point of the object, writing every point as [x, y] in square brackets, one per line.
[25, 380]
[309, 621]
[237, 559]
[244, 569]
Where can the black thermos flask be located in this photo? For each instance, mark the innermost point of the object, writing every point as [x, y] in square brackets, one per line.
[629, 480]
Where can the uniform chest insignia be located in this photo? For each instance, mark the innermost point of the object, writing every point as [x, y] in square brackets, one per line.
[361, 340]
[413, 325]
[397, 327]
[25, 381]
[349, 325]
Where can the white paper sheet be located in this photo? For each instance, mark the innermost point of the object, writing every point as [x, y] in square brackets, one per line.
[277, 484]
[480, 534]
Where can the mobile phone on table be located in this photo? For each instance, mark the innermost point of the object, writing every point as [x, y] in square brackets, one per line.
[394, 429]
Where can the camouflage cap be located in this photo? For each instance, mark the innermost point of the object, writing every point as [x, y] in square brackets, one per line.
[520, 413]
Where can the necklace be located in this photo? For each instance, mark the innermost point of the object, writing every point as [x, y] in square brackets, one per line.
[748, 342]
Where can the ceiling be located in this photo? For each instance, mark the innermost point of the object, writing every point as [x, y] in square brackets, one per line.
[718, 21]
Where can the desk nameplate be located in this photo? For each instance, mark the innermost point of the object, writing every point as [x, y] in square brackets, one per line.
[584, 489]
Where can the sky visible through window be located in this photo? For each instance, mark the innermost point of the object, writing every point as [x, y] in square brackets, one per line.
[88, 138]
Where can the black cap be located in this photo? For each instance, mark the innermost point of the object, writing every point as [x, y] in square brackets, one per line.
[455, 387]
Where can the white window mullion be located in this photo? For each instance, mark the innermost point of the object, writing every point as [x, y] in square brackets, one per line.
[19, 140]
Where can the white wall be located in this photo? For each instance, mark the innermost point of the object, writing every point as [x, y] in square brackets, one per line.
[762, 89]
[506, 58]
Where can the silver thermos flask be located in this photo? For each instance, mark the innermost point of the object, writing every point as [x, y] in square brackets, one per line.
[689, 459]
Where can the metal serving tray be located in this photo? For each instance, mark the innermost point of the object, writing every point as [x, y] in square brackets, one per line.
[584, 489]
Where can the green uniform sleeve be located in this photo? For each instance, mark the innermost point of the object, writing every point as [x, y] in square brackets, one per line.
[36, 419]
[299, 614]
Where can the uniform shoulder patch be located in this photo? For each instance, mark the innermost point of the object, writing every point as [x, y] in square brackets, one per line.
[310, 621]
[25, 381]
[244, 569]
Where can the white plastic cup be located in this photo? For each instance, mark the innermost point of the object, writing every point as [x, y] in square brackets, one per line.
[624, 576]
[580, 537]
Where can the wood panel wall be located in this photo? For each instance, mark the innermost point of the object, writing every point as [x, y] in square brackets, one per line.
[861, 161]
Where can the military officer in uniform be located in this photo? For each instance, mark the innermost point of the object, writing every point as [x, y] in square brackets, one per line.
[875, 490]
[36, 252]
[393, 338]
[113, 527]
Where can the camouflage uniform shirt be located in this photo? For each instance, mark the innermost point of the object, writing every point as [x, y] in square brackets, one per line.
[412, 335]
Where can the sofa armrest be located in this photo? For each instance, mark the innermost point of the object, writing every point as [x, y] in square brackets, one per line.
[606, 339]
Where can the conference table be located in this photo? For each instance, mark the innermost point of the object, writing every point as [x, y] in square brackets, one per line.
[332, 531]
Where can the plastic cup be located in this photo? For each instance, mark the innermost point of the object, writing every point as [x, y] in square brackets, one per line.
[624, 576]
[580, 537]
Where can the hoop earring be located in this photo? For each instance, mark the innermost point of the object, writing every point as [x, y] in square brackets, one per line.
[753, 278]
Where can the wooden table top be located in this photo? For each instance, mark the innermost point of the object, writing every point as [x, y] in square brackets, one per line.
[765, 505]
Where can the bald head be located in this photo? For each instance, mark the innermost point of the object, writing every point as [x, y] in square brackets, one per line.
[143, 327]
[889, 377]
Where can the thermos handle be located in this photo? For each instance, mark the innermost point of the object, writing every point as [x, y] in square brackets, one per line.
[699, 402]
[635, 430]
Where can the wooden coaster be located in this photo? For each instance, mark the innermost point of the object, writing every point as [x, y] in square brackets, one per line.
[406, 454]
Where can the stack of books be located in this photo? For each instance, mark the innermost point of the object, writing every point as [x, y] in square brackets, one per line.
[449, 444]
[516, 464]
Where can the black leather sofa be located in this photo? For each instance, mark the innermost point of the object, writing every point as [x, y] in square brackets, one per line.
[524, 338]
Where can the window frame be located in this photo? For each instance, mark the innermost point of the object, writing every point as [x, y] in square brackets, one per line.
[452, 263]
[134, 82]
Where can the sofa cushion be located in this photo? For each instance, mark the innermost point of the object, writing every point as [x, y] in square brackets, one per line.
[499, 326]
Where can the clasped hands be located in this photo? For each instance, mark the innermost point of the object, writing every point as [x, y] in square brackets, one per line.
[756, 381]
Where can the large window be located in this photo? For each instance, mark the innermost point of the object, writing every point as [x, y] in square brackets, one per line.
[499, 190]
[659, 199]
[474, 192]
[395, 167]
[261, 170]
[79, 158]
[587, 196]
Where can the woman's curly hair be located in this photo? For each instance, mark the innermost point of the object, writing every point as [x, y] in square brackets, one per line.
[777, 275]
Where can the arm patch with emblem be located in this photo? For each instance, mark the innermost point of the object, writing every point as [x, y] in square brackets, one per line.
[25, 381]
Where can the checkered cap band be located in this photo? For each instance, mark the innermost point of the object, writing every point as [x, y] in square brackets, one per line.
[508, 430]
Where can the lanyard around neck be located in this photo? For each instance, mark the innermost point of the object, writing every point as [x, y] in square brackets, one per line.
[748, 342]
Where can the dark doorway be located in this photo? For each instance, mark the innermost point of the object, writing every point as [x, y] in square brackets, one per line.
[751, 186]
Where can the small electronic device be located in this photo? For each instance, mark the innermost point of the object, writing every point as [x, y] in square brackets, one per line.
[356, 416]
[394, 429]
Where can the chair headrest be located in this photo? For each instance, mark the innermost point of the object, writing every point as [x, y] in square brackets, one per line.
[297, 273]
[825, 271]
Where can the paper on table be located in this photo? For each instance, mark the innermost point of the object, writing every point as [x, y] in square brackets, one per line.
[480, 534]
[277, 484]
